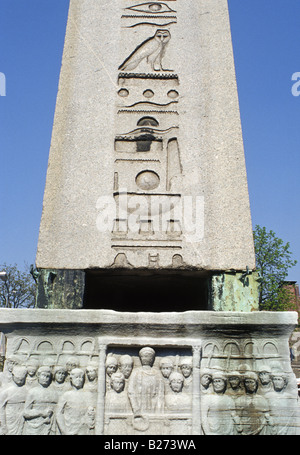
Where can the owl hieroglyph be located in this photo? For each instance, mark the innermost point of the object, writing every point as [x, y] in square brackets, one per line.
[153, 50]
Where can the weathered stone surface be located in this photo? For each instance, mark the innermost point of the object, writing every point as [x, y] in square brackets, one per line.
[157, 131]
[104, 372]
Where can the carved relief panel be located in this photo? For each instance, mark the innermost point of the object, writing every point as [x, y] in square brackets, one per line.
[49, 386]
[90, 385]
[247, 388]
[148, 391]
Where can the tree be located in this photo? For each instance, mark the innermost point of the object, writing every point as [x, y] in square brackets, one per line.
[17, 289]
[273, 261]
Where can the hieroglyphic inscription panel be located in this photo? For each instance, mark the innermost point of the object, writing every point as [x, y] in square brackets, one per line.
[147, 165]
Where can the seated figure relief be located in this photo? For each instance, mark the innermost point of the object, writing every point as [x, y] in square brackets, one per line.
[117, 401]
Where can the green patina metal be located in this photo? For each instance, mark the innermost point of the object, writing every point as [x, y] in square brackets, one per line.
[228, 291]
[235, 291]
[60, 288]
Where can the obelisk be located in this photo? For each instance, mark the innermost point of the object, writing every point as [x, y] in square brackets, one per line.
[147, 319]
[146, 168]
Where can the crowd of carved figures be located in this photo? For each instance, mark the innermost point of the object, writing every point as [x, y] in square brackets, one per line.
[152, 397]
[38, 397]
[158, 399]
[245, 402]
[145, 393]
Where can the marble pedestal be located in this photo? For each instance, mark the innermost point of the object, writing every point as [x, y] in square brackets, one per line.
[105, 372]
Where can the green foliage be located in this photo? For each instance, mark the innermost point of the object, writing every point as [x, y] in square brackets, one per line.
[18, 289]
[273, 261]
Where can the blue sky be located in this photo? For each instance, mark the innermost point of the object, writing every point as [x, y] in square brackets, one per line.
[266, 43]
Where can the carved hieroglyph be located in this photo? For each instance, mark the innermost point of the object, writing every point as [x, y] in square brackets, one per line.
[152, 50]
[85, 383]
[147, 166]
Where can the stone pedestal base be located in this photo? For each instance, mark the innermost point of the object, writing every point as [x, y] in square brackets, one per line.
[190, 373]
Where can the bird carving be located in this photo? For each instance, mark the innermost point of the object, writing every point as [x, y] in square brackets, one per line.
[153, 50]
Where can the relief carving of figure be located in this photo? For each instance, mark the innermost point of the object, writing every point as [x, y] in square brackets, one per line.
[71, 363]
[32, 366]
[126, 365]
[284, 407]
[265, 385]
[218, 409]
[146, 393]
[6, 375]
[12, 401]
[205, 380]
[117, 407]
[234, 389]
[111, 366]
[59, 379]
[186, 368]
[253, 409]
[91, 372]
[166, 366]
[75, 413]
[40, 405]
[116, 398]
[177, 400]
[178, 405]
[145, 388]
